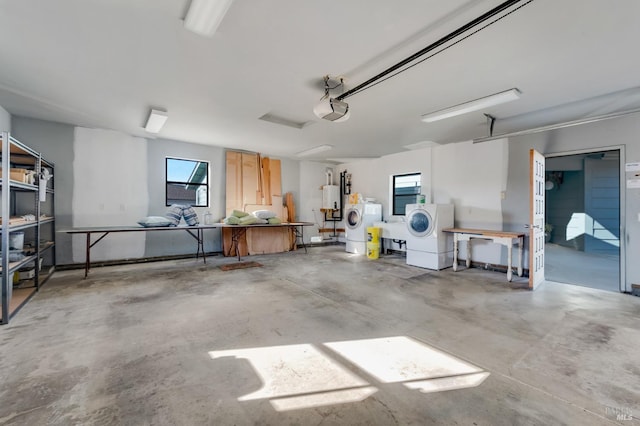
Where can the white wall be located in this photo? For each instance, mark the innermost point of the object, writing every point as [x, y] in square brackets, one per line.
[312, 177]
[5, 120]
[109, 188]
[55, 142]
[177, 243]
[472, 177]
[372, 178]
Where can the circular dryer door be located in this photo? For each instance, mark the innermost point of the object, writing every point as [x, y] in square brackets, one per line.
[353, 218]
[419, 223]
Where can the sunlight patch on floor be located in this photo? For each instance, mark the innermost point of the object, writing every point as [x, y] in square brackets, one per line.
[303, 375]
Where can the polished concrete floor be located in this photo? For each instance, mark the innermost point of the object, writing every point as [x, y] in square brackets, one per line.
[318, 338]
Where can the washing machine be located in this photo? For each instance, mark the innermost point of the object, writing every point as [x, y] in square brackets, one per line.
[427, 246]
[357, 218]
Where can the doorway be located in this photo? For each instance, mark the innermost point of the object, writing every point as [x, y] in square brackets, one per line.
[582, 230]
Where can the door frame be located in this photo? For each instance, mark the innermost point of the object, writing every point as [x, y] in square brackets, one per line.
[622, 285]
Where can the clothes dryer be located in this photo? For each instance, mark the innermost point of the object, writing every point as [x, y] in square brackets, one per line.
[358, 218]
[427, 246]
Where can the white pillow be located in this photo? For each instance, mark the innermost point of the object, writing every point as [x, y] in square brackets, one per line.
[264, 214]
[155, 221]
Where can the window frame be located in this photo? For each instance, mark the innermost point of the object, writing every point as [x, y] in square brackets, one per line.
[393, 191]
[167, 182]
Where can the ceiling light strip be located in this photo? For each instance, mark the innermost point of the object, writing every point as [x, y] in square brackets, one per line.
[475, 105]
[204, 16]
[315, 150]
[482, 18]
[558, 126]
[156, 121]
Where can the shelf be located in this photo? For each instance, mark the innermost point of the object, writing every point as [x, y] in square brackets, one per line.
[47, 220]
[14, 184]
[21, 226]
[46, 246]
[44, 276]
[14, 266]
[14, 154]
[18, 299]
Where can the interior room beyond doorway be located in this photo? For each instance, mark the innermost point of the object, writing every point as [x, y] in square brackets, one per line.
[582, 229]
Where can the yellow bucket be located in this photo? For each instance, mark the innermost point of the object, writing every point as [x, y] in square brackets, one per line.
[373, 250]
[373, 234]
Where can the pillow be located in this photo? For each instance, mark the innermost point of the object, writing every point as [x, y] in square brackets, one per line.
[264, 214]
[248, 220]
[190, 216]
[232, 220]
[274, 221]
[175, 213]
[239, 213]
[261, 221]
[155, 221]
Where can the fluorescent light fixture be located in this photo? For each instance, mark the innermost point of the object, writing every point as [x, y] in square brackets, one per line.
[155, 121]
[350, 159]
[315, 150]
[204, 16]
[421, 145]
[478, 104]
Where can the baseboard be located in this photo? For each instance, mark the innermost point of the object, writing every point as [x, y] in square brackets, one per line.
[69, 266]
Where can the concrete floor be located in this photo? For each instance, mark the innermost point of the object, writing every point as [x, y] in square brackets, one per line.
[567, 265]
[318, 338]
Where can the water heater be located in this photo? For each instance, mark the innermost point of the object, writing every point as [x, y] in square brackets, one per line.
[331, 197]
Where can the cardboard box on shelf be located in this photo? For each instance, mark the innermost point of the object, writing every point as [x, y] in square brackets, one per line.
[19, 175]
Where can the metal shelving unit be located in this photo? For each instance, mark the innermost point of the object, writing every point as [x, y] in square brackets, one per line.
[14, 153]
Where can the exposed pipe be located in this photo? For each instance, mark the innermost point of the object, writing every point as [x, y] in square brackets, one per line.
[493, 12]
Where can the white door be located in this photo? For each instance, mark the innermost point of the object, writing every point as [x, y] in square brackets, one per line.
[536, 218]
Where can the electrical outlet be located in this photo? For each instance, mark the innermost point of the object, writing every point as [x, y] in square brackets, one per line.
[503, 195]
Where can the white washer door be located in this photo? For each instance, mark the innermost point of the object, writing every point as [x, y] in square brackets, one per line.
[354, 218]
[420, 223]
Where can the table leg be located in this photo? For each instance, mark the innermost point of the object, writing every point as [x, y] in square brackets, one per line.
[468, 253]
[235, 238]
[87, 256]
[87, 264]
[509, 255]
[201, 245]
[455, 253]
[520, 249]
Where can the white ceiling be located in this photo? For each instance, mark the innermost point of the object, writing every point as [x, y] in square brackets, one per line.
[105, 63]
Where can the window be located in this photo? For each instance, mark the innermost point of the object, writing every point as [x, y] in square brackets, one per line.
[187, 182]
[405, 191]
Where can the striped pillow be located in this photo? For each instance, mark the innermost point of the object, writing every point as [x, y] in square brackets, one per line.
[190, 216]
[175, 214]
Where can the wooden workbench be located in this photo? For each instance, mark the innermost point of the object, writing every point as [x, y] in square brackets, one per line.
[500, 237]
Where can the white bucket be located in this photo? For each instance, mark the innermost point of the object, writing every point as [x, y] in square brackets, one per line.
[16, 240]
